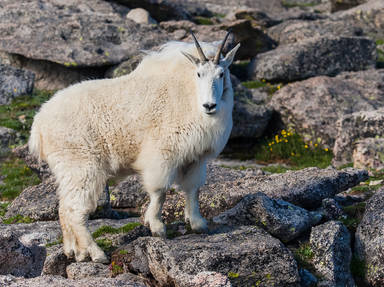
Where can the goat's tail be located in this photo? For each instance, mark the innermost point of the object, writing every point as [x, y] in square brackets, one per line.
[35, 142]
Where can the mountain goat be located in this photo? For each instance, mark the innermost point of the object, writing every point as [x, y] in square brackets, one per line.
[164, 121]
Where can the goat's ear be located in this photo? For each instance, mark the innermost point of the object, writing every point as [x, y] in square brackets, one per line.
[191, 58]
[227, 61]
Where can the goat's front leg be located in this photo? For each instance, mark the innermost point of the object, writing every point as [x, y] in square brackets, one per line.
[190, 179]
[153, 214]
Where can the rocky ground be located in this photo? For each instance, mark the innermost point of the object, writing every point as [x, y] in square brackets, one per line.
[297, 198]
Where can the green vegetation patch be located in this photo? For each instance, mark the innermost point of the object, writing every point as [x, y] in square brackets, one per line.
[19, 114]
[354, 214]
[199, 20]
[112, 230]
[105, 244]
[289, 4]
[18, 219]
[303, 255]
[17, 176]
[53, 243]
[288, 147]
[271, 88]
[3, 208]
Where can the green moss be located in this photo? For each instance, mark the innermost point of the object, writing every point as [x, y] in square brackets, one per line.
[112, 230]
[218, 15]
[116, 269]
[380, 42]
[3, 208]
[233, 275]
[203, 21]
[271, 88]
[105, 244]
[303, 255]
[354, 214]
[25, 107]
[289, 4]
[123, 252]
[17, 176]
[18, 219]
[53, 243]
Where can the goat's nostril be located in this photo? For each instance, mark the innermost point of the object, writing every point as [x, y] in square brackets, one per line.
[209, 106]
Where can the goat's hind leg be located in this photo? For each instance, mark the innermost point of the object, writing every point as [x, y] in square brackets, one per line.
[79, 191]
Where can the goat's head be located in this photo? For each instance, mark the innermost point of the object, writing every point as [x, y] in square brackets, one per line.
[210, 75]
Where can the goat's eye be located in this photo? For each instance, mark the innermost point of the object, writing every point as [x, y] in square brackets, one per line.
[221, 74]
[198, 74]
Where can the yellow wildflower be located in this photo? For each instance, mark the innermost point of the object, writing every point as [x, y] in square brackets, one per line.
[283, 132]
[292, 154]
[326, 149]
[286, 141]
[306, 146]
[316, 144]
[270, 149]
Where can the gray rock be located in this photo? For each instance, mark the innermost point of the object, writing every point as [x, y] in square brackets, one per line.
[225, 188]
[312, 107]
[246, 254]
[257, 17]
[75, 34]
[250, 118]
[294, 31]
[14, 82]
[330, 243]
[369, 241]
[128, 193]
[50, 75]
[314, 57]
[18, 259]
[307, 278]
[141, 16]
[58, 281]
[331, 210]
[56, 262]
[44, 232]
[211, 279]
[354, 127]
[7, 137]
[368, 153]
[281, 219]
[37, 202]
[80, 270]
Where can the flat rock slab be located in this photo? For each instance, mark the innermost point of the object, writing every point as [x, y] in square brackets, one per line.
[225, 188]
[314, 106]
[369, 244]
[315, 57]
[41, 233]
[247, 255]
[58, 281]
[279, 218]
[73, 33]
[14, 82]
[354, 127]
[330, 243]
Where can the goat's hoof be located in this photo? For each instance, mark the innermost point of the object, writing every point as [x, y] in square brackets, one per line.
[82, 256]
[98, 255]
[158, 229]
[199, 225]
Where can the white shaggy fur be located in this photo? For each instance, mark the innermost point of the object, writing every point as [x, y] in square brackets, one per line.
[150, 122]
